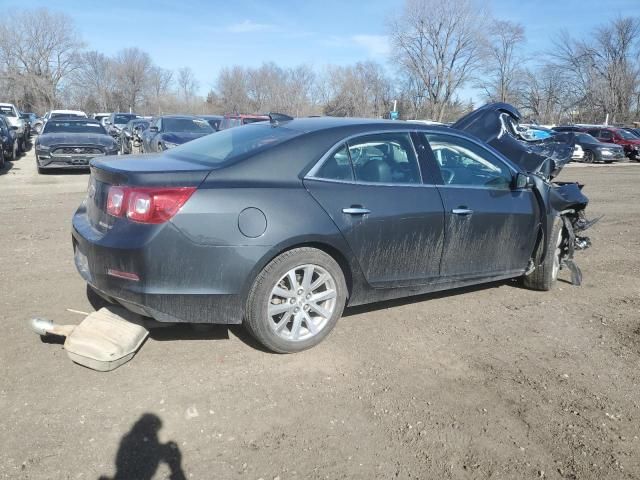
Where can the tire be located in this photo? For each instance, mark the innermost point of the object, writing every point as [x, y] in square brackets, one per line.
[545, 275]
[1, 159]
[23, 145]
[295, 305]
[588, 156]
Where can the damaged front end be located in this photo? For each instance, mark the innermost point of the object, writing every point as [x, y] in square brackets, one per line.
[497, 125]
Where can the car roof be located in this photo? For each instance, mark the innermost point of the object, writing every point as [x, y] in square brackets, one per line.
[178, 116]
[75, 112]
[311, 124]
[75, 119]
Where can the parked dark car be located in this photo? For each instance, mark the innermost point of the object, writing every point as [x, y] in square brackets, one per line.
[213, 120]
[29, 122]
[626, 140]
[71, 143]
[129, 136]
[169, 131]
[594, 150]
[117, 121]
[280, 224]
[8, 141]
[237, 120]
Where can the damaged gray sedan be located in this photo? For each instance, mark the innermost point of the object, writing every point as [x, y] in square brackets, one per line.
[281, 224]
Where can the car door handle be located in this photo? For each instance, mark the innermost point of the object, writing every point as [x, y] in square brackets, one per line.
[462, 211]
[356, 211]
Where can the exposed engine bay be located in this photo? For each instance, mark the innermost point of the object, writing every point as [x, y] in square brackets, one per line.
[497, 125]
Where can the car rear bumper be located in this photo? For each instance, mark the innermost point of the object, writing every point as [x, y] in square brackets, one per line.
[179, 281]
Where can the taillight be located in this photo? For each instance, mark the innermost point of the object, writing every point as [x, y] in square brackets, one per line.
[147, 204]
[115, 201]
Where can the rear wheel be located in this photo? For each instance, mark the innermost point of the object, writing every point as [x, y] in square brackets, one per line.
[296, 300]
[546, 274]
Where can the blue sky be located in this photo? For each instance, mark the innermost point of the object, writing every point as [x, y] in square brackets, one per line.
[208, 35]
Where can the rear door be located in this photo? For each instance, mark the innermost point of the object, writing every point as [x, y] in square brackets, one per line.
[372, 188]
[490, 228]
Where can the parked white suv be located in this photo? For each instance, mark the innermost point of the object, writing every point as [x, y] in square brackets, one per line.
[15, 121]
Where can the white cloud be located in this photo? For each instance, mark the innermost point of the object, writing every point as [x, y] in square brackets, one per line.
[376, 45]
[247, 26]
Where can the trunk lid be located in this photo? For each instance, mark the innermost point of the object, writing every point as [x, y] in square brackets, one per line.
[136, 170]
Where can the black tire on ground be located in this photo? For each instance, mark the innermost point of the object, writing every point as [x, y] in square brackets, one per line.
[545, 275]
[588, 156]
[23, 145]
[257, 320]
[1, 159]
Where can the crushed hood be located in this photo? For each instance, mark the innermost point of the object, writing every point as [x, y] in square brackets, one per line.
[496, 124]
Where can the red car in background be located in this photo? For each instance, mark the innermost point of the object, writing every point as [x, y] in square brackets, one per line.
[237, 120]
[619, 136]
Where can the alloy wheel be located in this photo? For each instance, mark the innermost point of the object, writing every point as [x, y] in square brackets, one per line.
[302, 302]
[588, 156]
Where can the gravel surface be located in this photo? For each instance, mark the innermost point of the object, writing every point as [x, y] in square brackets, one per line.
[488, 382]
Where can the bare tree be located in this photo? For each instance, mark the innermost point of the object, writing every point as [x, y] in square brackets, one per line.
[187, 84]
[438, 44]
[38, 51]
[159, 88]
[93, 81]
[132, 69]
[362, 90]
[604, 68]
[503, 73]
[231, 89]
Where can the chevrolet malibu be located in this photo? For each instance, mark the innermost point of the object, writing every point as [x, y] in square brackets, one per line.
[281, 224]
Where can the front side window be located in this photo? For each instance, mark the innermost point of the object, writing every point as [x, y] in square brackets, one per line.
[384, 158]
[606, 135]
[462, 162]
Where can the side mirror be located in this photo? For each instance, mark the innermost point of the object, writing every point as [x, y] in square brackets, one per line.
[153, 129]
[521, 181]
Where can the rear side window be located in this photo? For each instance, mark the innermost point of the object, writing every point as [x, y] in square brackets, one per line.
[465, 163]
[224, 146]
[384, 158]
[337, 166]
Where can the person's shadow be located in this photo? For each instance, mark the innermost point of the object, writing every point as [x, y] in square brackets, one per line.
[140, 452]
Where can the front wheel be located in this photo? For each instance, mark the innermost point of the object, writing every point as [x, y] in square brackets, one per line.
[588, 156]
[546, 273]
[296, 300]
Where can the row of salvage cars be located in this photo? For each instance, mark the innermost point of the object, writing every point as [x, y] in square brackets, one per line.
[281, 224]
[69, 139]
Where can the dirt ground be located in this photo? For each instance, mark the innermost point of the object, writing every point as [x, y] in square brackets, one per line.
[488, 382]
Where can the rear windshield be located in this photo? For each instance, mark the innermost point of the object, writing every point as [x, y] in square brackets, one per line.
[60, 126]
[226, 145]
[73, 115]
[7, 111]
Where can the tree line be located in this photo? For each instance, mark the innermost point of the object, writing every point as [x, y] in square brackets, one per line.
[438, 51]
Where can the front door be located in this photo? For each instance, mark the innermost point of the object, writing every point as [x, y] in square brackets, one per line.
[372, 188]
[490, 227]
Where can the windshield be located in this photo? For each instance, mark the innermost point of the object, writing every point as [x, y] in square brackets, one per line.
[61, 126]
[586, 138]
[186, 125]
[224, 146]
[626, 135]
[7, 111]
[123, 119]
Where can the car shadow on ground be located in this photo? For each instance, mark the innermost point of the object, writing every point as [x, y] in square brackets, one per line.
[8, 165]
[140, 452]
